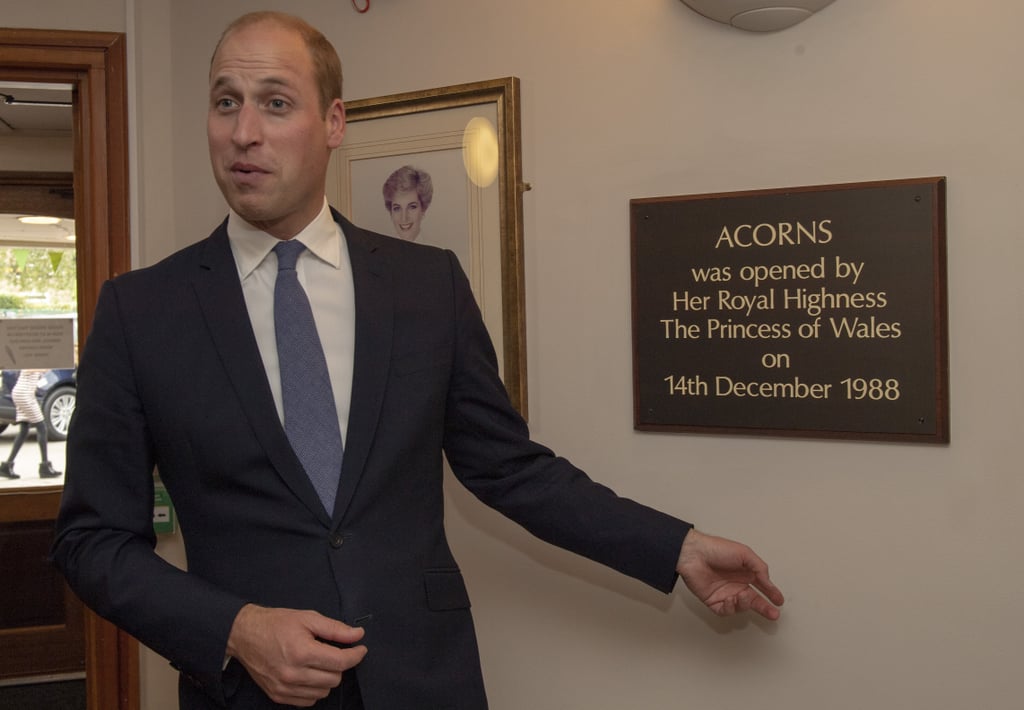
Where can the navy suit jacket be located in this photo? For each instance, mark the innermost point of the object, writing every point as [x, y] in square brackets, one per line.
[171, 377]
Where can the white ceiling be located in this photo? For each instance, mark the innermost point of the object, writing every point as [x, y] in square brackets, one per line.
[15, 233]
[28, 120]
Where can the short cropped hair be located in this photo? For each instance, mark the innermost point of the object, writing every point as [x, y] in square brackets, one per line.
[326, 63]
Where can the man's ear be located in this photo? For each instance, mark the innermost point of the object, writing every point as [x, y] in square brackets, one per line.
[335, 123]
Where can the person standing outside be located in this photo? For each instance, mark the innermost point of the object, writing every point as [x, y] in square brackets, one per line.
[352, 601]
[28, 415]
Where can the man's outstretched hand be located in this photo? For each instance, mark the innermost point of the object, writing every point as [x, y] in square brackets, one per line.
[727, 576]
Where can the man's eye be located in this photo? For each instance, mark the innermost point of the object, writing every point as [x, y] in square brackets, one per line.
[277, 104]
[225, 103]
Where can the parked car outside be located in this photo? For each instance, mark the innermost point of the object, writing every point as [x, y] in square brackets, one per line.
[56, 395]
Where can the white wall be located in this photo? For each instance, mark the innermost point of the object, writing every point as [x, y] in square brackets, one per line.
[42, 154]
[96, 15]
[898, 560]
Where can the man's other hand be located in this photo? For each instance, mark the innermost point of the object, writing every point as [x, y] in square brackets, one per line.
[289, 653]
[727, 576]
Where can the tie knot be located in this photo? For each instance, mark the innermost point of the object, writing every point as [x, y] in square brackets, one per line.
[288, 253]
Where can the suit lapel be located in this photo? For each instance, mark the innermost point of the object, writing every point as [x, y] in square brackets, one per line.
[227, 320]
[372, 358]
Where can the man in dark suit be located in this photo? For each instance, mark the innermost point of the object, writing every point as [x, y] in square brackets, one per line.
[290, 597]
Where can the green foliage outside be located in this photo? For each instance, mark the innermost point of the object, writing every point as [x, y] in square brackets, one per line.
[37, 281]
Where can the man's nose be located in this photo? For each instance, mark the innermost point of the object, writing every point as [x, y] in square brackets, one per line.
[248, 126]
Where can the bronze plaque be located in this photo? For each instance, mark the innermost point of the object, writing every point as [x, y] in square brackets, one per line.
[811, 311]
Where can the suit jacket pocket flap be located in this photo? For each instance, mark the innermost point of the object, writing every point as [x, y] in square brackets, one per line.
[446, 590]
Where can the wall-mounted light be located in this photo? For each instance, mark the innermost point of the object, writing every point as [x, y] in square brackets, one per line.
[758, 15]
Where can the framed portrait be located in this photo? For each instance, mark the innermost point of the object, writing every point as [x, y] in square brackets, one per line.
[443, 167]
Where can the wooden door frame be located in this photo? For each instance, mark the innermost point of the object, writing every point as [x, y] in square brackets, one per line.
[94, 63]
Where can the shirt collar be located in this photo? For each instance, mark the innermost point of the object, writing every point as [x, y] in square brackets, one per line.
[251, 245]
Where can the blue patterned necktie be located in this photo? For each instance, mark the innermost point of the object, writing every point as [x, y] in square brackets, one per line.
[310, 416]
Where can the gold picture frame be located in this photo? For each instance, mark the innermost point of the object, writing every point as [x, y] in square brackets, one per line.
[477, 212]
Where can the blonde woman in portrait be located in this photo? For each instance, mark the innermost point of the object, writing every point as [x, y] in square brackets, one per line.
[407, 195]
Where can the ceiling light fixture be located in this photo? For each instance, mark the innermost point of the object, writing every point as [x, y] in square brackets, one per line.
[38, 219]
[12, 101]
[758, 15]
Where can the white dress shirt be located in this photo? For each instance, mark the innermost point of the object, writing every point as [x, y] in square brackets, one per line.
[325, 272]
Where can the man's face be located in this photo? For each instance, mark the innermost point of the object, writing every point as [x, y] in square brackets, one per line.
[269, 138]
[406, 214]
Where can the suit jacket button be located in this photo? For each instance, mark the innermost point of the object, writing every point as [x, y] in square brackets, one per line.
[336, 540]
